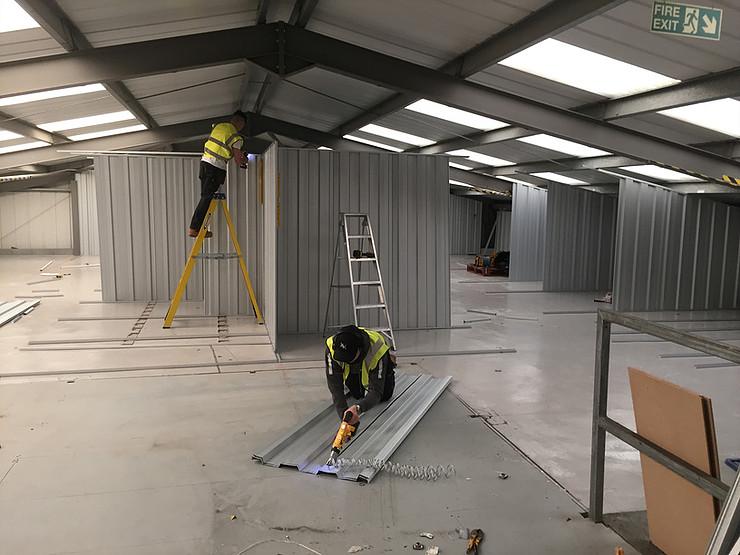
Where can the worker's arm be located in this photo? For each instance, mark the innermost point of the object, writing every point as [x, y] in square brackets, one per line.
[335, 381]
[375, 386]
[239, 157]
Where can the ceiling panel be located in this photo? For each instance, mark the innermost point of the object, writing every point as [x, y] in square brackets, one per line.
[27, 43]
[67, 107]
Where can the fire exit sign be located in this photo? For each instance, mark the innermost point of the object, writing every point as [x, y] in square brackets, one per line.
[687, 20]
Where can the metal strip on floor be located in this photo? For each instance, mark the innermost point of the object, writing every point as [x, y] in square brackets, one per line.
[383, 429]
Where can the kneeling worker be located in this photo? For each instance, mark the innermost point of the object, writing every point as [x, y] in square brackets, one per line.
[360, 359]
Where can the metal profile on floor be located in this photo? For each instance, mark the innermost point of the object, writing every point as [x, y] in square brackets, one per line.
[383, 429]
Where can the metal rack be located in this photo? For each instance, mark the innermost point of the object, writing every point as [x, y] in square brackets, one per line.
[727, 526]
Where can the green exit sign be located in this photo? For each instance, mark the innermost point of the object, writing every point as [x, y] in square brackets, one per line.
[687, 20]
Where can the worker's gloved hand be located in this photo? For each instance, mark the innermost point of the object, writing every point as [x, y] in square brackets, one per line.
[354, 410]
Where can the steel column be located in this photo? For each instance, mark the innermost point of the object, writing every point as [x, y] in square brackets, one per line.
[598, 434]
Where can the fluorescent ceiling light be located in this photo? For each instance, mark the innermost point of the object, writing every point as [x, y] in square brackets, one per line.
[561, 145]
[14, 17]
[583, 69]
[455, 115]
[480, 158]
[461, 184]
[45, 95]
[325, 148]
[559, 178]
[660, 173]
[373, 143]
[88, 121]
[721, 115]
[459, 166]
[8, 135]
[396, 135]
[24, 146]
[107, 132]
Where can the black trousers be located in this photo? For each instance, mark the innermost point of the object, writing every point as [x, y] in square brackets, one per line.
[211, 178]
[357, 390]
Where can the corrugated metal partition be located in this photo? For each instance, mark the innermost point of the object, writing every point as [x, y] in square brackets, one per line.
[528, 222]
[675, 252]
[36, 222]
[465, 225]
[269, 193]
[579, 241]
[502, 235]
[87, 209]
[407, 200]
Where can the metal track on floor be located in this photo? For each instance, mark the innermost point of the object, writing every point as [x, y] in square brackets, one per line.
[383, 429]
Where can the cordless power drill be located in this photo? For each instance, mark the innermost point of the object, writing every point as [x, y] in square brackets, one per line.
[343, 434]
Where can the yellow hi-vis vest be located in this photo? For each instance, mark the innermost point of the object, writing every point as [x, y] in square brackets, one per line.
[378, 347]
[222, 138]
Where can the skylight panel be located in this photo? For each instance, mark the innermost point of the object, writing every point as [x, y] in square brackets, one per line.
[559, 178]
[461, 184]
[583, 69]
[657, 172]
[480, 158]
[455, 115]
[108, 132]
[373, 143]
[14, 17]
[721, 115]
[459, 166]
[88, 121]
[562, 145]
[8, 135]
[24, 146]
[396, 135]
[45, 95]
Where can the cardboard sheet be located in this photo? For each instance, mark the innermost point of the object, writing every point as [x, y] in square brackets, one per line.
[681, 516]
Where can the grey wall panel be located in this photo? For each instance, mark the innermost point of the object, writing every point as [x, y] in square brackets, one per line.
[36, 220]
[528, 224]
[270, 194]
[465, 225]
[502, 235]
[579, 240]
[675, 252]
[407, 200]
[88, 214]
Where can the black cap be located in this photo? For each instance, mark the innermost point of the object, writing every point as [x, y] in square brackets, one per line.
[239, 114]
[346, 344]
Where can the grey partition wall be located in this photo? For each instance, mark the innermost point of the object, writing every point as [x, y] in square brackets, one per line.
[87, 209]
[675, 252]
[144, 208]
[268, 197]
[502, 236]
[407, 200]
[465, 225]
[579, 240]
[528, 220]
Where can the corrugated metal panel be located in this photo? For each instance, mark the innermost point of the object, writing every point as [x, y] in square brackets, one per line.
[39, 220]
[579, 241]
[384, 427]
[502, 236]
[528, 223]
[88, 214]
[271, 197]
[407, 200]
[675, 252]
[465, 225]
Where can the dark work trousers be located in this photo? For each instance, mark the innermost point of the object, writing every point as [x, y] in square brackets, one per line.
[211, 178]
[357, 390]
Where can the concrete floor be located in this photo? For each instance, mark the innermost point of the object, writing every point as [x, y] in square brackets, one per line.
[157, 459]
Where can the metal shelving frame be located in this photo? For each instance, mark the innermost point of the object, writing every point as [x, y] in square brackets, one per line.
[602, 424]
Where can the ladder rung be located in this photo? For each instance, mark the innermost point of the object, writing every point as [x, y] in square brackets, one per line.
[359, 236]
[363, 306]
[217, 255]
[365, 283]
[381, 329]
[363, 259]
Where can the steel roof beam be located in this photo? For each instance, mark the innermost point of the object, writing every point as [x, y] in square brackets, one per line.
[565, 164]
[54, 21]
[27, 129]
[380, 69]
[553, 18]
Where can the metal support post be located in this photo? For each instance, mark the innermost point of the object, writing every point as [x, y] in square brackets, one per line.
[598, 434]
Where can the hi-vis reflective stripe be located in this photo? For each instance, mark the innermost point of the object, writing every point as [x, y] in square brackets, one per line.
[732, 180]
[216, 154]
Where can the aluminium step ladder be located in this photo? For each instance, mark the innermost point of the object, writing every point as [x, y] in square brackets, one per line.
[358, 259]
[219, 199]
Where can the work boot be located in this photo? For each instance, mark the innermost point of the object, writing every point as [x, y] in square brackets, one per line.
[194, 233]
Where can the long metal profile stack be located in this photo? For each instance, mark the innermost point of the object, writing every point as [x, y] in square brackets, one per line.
[383, 429]
[10, 310]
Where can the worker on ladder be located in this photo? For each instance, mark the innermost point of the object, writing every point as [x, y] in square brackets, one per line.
[360, 359]
[223, 144]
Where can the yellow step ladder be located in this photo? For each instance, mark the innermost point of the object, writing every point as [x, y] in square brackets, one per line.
[219, 199]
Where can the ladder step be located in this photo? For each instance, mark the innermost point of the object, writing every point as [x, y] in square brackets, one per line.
[365, 283]
[359, 236]
[217, 255]
[363, 306]
[363, 259]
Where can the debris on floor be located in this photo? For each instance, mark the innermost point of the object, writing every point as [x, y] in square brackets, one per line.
[233, 517]
[45, 266]
[427, 535]
[474, 541]
[358, 548]
[12, 311]
[418, 546]
[462, 533]
[502, 475]
[605, 299]
[434, 550]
